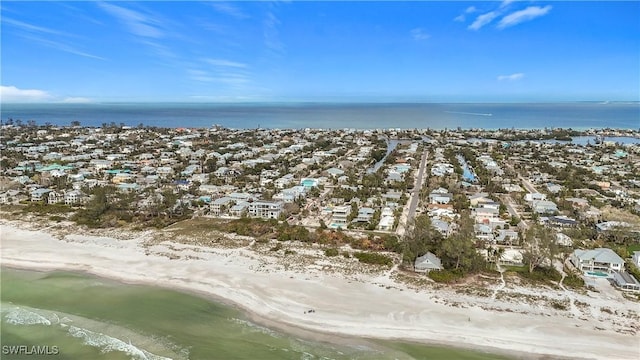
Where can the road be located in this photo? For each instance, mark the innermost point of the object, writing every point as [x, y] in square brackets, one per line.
[514, 212]
[415, 195]
[528, 185]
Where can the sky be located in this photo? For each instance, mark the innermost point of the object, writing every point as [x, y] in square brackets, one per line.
[419, 51]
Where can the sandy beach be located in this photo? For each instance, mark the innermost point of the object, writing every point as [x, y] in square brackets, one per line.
[371, 304]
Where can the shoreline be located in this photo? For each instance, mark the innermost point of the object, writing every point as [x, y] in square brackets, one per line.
[277, 299]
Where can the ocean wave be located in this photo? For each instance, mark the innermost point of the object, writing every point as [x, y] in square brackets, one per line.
[255, 327]
[20, 316]
[16, 315]
[107, 344]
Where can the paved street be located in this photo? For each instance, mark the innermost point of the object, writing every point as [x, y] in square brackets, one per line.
[415, 196]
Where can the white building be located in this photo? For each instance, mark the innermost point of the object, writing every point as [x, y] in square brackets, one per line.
[339, 216]
[265, 209]
[600, 259]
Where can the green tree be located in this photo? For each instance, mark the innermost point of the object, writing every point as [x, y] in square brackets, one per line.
[539, 247]
[419, 238]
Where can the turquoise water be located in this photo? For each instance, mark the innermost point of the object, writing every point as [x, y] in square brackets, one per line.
[598, 273]
[84, 317]
[578, 115]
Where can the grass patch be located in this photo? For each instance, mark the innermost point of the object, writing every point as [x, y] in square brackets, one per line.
[573, 281]
[632, 248]
[446, 276]
[331, 252]
[373, 258]
[539, 274]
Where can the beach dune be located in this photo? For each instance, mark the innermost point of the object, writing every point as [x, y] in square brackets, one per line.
[375, 306]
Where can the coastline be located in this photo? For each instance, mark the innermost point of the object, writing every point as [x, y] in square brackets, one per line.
[278, 297]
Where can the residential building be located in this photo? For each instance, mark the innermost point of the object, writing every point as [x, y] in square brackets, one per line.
[339, 216]
[626, 281]
[220, 206]
[265, 209]
[600, 259]
[427, 262]
[365, 214]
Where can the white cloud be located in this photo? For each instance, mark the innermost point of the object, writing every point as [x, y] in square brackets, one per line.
[419, 34]
[62, 47]
[483, 20]
[229, 9]
[520, 16]
[505, 3]
[137, 23]
[9, 94]
[462, 17]
[271, 33]
[512, 77]
[32, 28]
[225, 63]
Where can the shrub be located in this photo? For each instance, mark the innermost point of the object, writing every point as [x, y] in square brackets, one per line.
[573, 281]
[331, 252]
[446, 276]
[558, 305]
[373, 258]
[276, 248]
[346, 254]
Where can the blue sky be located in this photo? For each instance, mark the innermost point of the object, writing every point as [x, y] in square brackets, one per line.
[320, 51]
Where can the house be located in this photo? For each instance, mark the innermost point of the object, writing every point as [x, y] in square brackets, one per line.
[531, 197]
[339, 216]
[365, 214]
[553, 188]
[562, 221]
[39, 194]
[544, 207]
[219, 206]
[55, 197]
[427, 262]
[626, 281]
[485, 214]
[479, 198]
[387, 219]
[239, 209]
[600, 259]
[440, 198]
[507, 237]
[73, 197]
[266, 209]
[441, 226]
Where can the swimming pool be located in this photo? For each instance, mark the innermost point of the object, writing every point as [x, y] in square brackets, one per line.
[597, 273]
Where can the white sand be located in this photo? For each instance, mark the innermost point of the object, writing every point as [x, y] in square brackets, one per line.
[343, 306]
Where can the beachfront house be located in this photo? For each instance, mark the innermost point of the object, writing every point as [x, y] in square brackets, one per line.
[597, 260]
[626, 281]
[339, 216]
[427, 262]
[266, 209]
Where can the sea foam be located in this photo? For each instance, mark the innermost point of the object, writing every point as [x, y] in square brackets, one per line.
[107, 344]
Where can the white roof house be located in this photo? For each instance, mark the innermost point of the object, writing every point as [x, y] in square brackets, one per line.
[427, 262]
[600, 259]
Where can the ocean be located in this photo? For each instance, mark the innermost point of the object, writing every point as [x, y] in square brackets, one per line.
[77, 316]
[578, 115]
